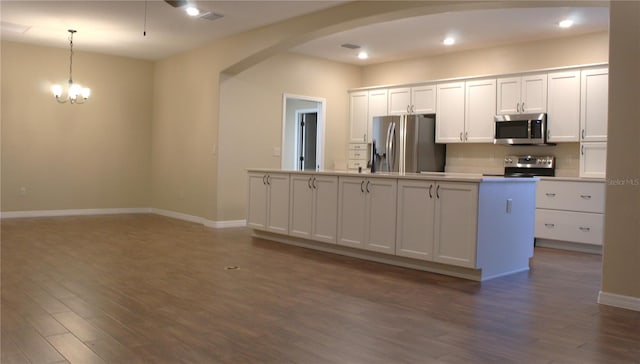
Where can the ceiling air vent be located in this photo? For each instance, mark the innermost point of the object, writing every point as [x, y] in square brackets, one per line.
[350, 46]
[211, 16]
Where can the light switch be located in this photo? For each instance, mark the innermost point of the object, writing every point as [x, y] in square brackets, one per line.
[276, 152]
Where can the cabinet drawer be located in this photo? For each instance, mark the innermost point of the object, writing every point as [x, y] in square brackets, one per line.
[354, 163]
[358, 154]
[571, 196]
[577, 227]
[358, 146]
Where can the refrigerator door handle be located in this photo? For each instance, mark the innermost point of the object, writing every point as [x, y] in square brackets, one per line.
[392, 148]
[388, 146]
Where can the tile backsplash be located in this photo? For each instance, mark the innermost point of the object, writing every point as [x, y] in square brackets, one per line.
[488, 158]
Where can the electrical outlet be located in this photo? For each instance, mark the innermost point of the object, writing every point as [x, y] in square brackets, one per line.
[23, 191]
[276, 152]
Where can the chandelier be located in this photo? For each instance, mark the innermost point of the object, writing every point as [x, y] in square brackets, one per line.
[74, 90]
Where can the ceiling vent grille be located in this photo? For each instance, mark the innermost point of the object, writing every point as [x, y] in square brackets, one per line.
[211, 16]
[350, 46]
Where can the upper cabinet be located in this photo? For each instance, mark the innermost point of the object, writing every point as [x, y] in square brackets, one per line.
[412, 100]
[594, 110]
[466, 111]
[358, 116]
[522, 94]
[364, 106]
[563, 108]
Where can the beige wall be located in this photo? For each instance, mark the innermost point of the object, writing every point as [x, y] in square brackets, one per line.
[621, 261]
[251, 118]
[487, 158]
[95, 155]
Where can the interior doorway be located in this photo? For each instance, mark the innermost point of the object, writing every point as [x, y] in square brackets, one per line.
[302, 132]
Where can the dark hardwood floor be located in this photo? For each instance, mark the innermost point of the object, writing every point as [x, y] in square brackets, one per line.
[149, 289]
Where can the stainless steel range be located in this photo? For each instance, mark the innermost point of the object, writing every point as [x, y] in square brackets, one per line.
[529, 166]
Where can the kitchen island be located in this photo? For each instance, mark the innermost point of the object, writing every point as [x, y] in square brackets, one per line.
[465, 225]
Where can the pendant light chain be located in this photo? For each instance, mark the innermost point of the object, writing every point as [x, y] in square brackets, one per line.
[71, 55]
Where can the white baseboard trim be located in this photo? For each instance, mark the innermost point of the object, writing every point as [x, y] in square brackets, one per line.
[115, 211]
[616, 300]
[73, 212]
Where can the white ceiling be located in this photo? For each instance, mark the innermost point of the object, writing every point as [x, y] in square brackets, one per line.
[116, 27]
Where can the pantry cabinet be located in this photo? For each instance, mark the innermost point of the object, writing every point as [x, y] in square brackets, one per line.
[314, 207]
[268, 207]
[563, 108]
[522, 94]
[367, 213]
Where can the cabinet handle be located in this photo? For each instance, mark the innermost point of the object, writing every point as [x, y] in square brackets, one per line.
[548, 134]
[413, 108]
[522, 108]
[264, 182]
[582, 133]
[550, 225]
[584, 229]
[461, 136]
[269, 180]
[408, 109]
[582, 150]
[315, 187]
[362, 186]
[309, 183]
[364, 137]
[438, 191]
[518, 107]
[586, 197]
[550, 194]
[368, 186]
[430, 188]
[466, 136]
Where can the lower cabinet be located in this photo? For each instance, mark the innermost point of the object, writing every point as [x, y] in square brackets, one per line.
[367, 213]
[437, 221]
[314, 207]
[268, 203]
[593, 159]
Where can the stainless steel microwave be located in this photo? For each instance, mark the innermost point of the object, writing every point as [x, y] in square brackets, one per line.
[521, 129]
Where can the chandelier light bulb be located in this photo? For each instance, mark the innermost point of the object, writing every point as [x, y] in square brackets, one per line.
[57, 90]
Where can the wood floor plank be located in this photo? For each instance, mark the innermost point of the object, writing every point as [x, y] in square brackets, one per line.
[149, 289]
[9, 351]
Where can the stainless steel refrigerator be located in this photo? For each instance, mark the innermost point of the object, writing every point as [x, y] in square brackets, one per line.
[406, 143]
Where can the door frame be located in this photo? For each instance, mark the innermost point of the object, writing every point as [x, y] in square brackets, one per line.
[320, 138]
[297, 133]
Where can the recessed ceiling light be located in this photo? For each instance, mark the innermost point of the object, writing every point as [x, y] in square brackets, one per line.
[363, 55]
[448, 41]
[565, 23]
[192, 11]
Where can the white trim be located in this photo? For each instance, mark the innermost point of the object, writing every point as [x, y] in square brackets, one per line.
[73, 212]
[320, 137]
[567, 245]
[225, 224]
[178, 215]
[616, 300]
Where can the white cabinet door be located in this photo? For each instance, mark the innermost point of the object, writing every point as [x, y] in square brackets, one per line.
[414, 226]
[593, 159]
[377, 107]
[399, 101]
[563, 107]
[508, 98]
[456, 223]
[257, 201]
[522, 94]
[381, 215]
[278, 204]
[351, 211]
[325, 208]
[480, 111]
[423, 99]
[450, 100]
[534, 94]
[358, 109]
[594, 103]
[301, 206]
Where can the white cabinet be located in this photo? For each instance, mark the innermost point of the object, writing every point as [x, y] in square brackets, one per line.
[563, 107]
[594, 96]
[455, 230]
[450, 118]
[363, 106]
[358, 116]
[358, 156]
[466, 111]
[314, 207]
[412, 100]
[570, 211]
[480, 111]
[414, 227]
[522, 94]
[593, 159]
[269, 202]
[367, 213]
